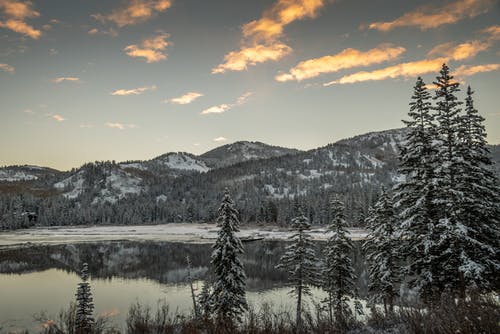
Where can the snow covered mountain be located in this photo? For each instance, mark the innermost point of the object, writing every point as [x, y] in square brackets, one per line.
[266, 182]
[25, 173]
[103, 182]
[242, 151]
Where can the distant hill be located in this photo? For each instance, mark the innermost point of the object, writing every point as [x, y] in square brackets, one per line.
[242, 151]
[267, 182]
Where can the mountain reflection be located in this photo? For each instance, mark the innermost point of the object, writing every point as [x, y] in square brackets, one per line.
[164, 262]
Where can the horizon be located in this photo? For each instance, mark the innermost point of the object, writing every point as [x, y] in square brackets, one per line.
[130, 80]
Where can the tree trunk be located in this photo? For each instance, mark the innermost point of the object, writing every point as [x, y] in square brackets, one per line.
[299, 307]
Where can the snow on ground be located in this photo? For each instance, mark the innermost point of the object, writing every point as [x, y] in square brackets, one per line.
[185, 232]
[75, 181]
[13, 176]
[182, 161]
[135, 165]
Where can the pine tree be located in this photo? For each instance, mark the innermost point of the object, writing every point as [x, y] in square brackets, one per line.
[204, 300]
[479, 204]
[338, 274]
[190, 281]
[84, 319]
[449, 167]
[381, 252]
[300, 261]
[228, 299]
[415, 195]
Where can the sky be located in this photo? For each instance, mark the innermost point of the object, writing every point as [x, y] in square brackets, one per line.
[124, 80]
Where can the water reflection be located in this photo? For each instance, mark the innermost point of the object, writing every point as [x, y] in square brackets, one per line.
[43, 277]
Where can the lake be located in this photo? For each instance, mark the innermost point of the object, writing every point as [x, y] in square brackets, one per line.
[35, 278]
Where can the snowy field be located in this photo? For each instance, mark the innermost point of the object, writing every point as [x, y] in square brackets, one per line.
[167, 232]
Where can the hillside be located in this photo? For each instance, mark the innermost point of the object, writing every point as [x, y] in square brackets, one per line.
[267, 183]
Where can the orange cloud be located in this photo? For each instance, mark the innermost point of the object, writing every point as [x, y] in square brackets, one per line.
[16, 13]
[270, 26]
[428, 17]
[152, 49]
[461, 51]
[7, 68]
[348, 58]
[136, 11]
[134, 91]
[406, 70]
[221, 108]
[467, 70]
[260, 37]
[186, 98]
[249, 56]
[70, 79]
[22, 28]
[493, 32]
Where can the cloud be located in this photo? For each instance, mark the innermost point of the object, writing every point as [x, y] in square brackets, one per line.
[136, 11]
[493, 32]
[405, 70]
[348, 58]
[221, 108]
[134, 91]
[219, 139]
[7, 68]
[468, 70]
[270, 26]
[58, 118]
[461, 51]
[111, 32]
[428, 16]
[185, 99]
[249, 56]
[260, 42]
[15, 14]
[150, 49]
[120, 126]
[69, 79]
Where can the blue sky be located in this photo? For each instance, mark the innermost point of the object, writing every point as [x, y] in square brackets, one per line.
[132, 79]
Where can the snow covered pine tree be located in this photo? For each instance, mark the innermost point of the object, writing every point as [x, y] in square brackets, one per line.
[449, 199]
[84, 308]
[381, 252]
[338, 273]
[479, 207]
[228, 300]
[414, 195]
[301, 263]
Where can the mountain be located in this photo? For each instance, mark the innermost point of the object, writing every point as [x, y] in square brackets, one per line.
[267, 183]
[25, 173]
[242, 151]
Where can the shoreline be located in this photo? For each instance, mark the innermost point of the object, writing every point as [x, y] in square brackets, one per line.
[174, 232]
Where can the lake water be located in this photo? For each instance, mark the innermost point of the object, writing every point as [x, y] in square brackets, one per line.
[40, 278]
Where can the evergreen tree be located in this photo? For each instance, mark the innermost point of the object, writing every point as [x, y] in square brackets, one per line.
[381, 251]
[204, 300]
[415, 195]
[228, 299]
[84, 319]
[449, 167]
[479, 204]
[338, 273]
[300, 261]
